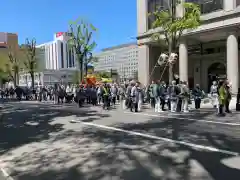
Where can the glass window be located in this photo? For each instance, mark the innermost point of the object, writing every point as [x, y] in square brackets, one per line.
[208, 6]
[62, 60]
[237, 2]
[155, 5]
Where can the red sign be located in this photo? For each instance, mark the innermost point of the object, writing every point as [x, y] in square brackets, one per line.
[59, 34]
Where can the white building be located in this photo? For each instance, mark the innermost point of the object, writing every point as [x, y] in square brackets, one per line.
[56, 62]
[122, 58]
[48, 77]
[57, 54]
[205, 53]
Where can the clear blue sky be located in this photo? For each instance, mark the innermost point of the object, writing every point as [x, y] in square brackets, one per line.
[115, 19]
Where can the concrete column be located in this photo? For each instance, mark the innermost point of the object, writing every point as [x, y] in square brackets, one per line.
[180, 9]
[232, 61]
[142, 16]
[183, 61]
[229, 5]
[143, 64]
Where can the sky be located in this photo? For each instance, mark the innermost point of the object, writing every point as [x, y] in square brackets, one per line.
[40, 19]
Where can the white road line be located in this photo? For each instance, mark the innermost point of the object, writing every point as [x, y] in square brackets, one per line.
[208, 148]
[5, 173]
[185, 118]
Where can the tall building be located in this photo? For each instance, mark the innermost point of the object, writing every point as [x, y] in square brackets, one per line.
[122, 58]
[8, 42]
[57, 54]
[56, 63]
[205, 53]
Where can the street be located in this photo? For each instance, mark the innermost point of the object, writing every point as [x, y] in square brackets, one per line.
[44, 142]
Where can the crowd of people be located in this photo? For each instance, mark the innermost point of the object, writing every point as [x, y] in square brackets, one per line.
[132, 95]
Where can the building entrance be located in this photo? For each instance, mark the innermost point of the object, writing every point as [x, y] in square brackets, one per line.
[216, 72]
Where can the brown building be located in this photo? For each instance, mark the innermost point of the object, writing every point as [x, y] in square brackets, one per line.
[8, 43]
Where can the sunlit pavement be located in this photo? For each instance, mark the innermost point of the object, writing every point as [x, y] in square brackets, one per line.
[43, 141]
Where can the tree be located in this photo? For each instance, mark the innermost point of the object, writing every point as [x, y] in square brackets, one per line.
[105, 74]
[81, 40]
[30, 61]
[12, 67]
[75, 77]
[3, 77]
[172, 27]
[90, 59]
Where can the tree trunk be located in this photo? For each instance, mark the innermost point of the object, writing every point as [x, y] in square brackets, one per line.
[32, 78]
[15, 79]
[170, 66]
[81, 71]
[86, 71]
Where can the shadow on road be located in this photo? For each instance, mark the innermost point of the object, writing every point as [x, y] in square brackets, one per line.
[97, 154]
[23, 124]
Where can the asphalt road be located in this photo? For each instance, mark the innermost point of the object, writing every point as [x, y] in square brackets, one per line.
[45, 142]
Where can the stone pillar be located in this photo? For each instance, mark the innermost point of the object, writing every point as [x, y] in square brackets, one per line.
[232, 61]
[142, 16]
[229, 5]
[143, 64]
[183, 61]
[180, 9]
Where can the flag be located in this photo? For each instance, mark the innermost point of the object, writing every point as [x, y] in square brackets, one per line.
[59, 34]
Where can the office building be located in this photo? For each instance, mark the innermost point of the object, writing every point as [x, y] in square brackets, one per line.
[122, 58]
[8, 43]
[47, 77]
[57, 54]
[56, 63]
[209, 51]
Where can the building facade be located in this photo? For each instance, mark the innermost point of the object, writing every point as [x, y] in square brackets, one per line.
[122, 58]
[56, 63]
[57, 54]
[208, 52]
[47, 77]
[8, 43]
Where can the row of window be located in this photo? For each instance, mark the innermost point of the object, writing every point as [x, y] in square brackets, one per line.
[52, 61]
[207, 6]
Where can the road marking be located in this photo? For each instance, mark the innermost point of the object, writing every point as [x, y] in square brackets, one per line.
[133, 133]
[5, 173]
[185, 118]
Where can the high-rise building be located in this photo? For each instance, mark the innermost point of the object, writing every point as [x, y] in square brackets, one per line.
[122, 58]
[57, 54]
[8, 43]
[205, 54]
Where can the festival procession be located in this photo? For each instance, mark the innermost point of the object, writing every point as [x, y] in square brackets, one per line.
[129, 95]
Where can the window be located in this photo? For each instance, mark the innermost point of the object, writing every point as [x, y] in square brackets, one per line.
[237, 3]
[155, 5]
[62, 60]
[70, 57]
[208, 6]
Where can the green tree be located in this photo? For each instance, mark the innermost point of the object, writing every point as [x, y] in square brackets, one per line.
[172, 27]
[12, 67]
[3, 77]
[75, 77]
[90, 59]
[30, 62]
[81, 40]
[105, 74]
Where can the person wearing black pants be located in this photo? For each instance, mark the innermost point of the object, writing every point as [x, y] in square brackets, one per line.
[106, 96]
[228, 99]
[197, 92]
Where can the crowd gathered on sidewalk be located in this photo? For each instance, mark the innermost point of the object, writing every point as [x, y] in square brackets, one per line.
[173, 97]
